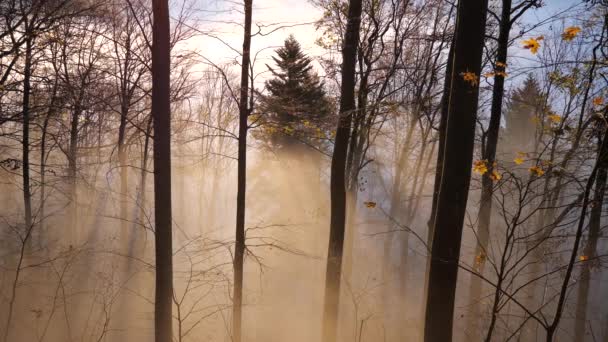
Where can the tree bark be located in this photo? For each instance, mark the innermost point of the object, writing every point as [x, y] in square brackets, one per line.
[122, 153]
[338, 176]
[161, 114]
[443, 123]
[457, 160]
[590, 250]
[239, 246]
[487, 184]
[27, 194]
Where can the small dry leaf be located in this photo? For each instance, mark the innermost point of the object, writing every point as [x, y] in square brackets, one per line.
[555, 118]
[532, 44]
[570, 33]
[598, 101]
[370, 205]
[480, 258]
[470, 77]
[537, 171]
[495, 176]
[480, 167]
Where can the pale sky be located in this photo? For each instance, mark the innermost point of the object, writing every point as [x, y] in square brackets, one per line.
[222, 19]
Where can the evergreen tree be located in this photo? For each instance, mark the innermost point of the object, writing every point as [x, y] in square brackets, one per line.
[296, 104]
[522, 116]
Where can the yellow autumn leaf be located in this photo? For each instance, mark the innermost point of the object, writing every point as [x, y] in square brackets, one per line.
[501, 65]
[470, 77]
[532, 44]
[570, 32]
[583, 258]
[554, 118]
[480, 258]
[598, 101]
[370, 204]
[489, 74]
[480, 167]
[537, 171]
[495, 176]
[521, 158]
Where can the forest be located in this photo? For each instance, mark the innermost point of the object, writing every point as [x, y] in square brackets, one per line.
[303, 170]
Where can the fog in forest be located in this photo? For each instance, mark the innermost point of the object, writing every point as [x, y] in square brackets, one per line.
[323, 170]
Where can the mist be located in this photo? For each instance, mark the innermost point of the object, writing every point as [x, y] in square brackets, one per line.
[358, 170]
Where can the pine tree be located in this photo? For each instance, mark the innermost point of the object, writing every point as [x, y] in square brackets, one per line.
[296, 104]
[521, 117]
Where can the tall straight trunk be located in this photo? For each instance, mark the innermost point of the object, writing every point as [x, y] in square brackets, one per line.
[122, 161]
[412, 199]
[487, 184]
[590, 250]
[239, 243]
[27, 195]
[43, 156]
[443, 126]
[337, 175]
[144, 173]
[72, 165]
[161, 114]
[353, 160]
[457, 160]
[424, 178]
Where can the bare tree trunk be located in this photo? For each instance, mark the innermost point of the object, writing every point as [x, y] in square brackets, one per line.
[457, 160]
[443, 126]
[424, 178]
[43, 156]
[338, 176]
[239, 243]
[27, 195]
[72, 165]
[590, 250]
[443, 123]
[141, 197]
[122, 161]
[161, 114]
[489, 154]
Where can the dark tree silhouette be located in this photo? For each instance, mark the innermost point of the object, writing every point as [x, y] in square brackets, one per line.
[161, 113]
[338, 173]
[239, 244]
[457, 160]
[490, 141]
